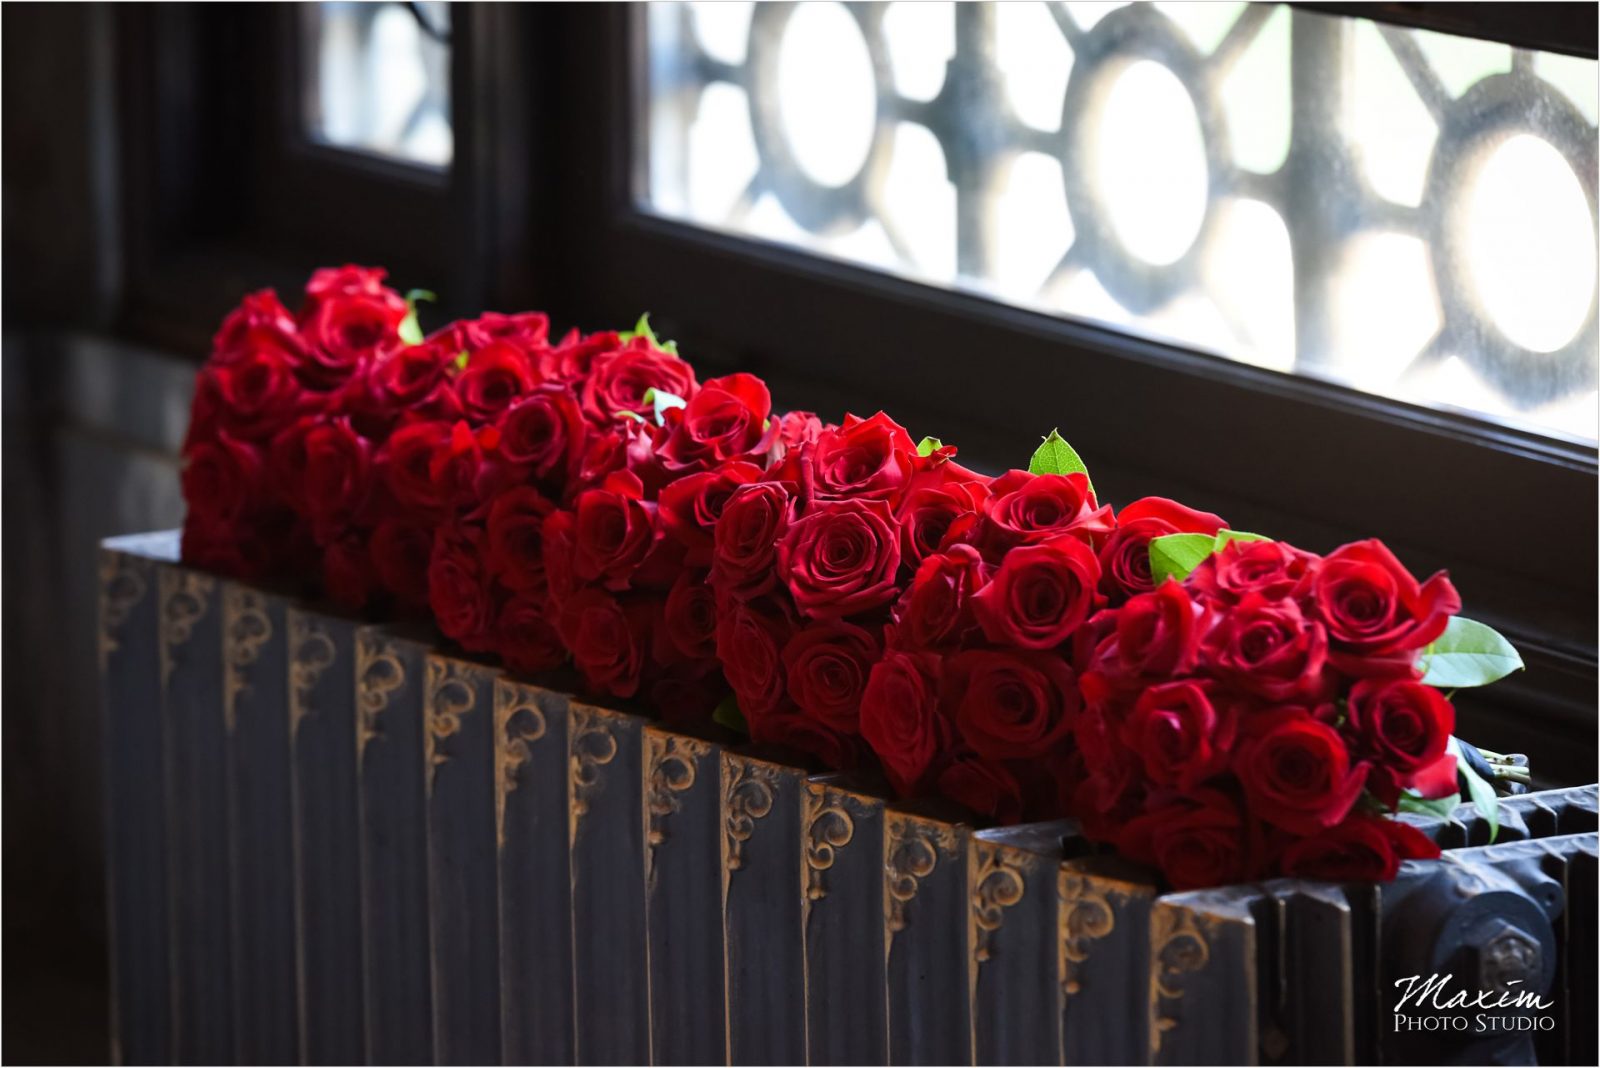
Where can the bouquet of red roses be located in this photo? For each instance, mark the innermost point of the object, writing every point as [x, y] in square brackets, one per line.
[1209, 701]
[1263, 709]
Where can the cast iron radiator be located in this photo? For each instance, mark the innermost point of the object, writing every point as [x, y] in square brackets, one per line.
[330, 843]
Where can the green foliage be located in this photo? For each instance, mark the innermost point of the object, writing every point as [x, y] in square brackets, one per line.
[1468, 653]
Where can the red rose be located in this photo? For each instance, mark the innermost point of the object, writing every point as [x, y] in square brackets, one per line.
[1196, 841]
[461, 467]
[840, 558]
[348, 576]
[1181, 738]
[400, 552]
[928, 514]
[1011, 705]
[865, 459]
[408, 381]
[260, 324]
[827, 666]
[525, 638]
[623, 446]
[1024, 508]
[253, 396]
[749, 640]
[901, 719]
[1158, 634]
[336, 480]
[619, 379]
[458, 588]
[1269, 569]
[344, 331]
[746, 539]
[1040, 594]
[351, 280]
[224, 479]
[691, 617]
[1362, 849]
[545, 433]
[572, 357]
[495, 377]
[1403, 727]
[728, 418]
[515, 531]
[798, 428]
[790, 729]
[690, 507]
[607, 640]
[1372, 605]
[559, 534]
[529, 331]
[1267, 648]
[615, 531]
[936, 610]
[405, 462]
[1125, 558]
[984, 786]
[1296, 770]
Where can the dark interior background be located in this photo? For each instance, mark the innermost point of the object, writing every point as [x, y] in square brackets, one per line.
[152, 176]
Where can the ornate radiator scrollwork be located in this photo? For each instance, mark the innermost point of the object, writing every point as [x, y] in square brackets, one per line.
[124, 581]
[1177, 947]
[670, 768]
[379, 673]
[184, 598]
[518, 723]
[450, 695]
[911, 849]
[828, 829]
[997, 885]
[591, 745]
[311, 652]
[747, 797]
[1085, 916]
[246, 627]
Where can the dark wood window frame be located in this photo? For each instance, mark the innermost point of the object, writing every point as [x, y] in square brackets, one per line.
[222, 194]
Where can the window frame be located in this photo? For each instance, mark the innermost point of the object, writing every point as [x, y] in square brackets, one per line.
[544, 99]
[1206, 429]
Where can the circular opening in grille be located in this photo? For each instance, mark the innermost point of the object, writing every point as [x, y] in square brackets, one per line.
[826, 92]
[1530, 244]
[1150, 163]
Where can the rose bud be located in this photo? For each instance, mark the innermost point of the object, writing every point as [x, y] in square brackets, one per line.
[901, 719]
[515, 529]
[525, 638]
[607, 640]
[614, 533]
[1267, 648]
[984, 786]
[619, 379]
[689, 507]
[746, 539]
[690, 622]
[495, 377]
[1024, 508]
[1403, 727]
[1011, 705]
[1159, 633]
[864, 459]
[1039, 595]
[1268, 569]
[1125, 558]
[827, 665]
[1197, 841]
[727, 419]
[1296, 770]
[343, 332]
[1363, 849]
[840, 558]
[259, 325]
[458, 588]
[544, 432]
[1372, 605]
[749, 640]
[936, 611]
[1182, 739]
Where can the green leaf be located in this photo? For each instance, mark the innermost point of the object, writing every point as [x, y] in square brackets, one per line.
[1481, 792]
[642, 329]
[461, 361]
[1441, 808]
[928, 446]
[1175, 555]
[728, 714]
[1468, 654]
[410, 328]
[661, 400]
[1056, 457]
[635, 416]
[1224, 536]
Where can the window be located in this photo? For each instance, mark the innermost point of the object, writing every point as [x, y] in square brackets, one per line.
[381, 79]
[1403, 212]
